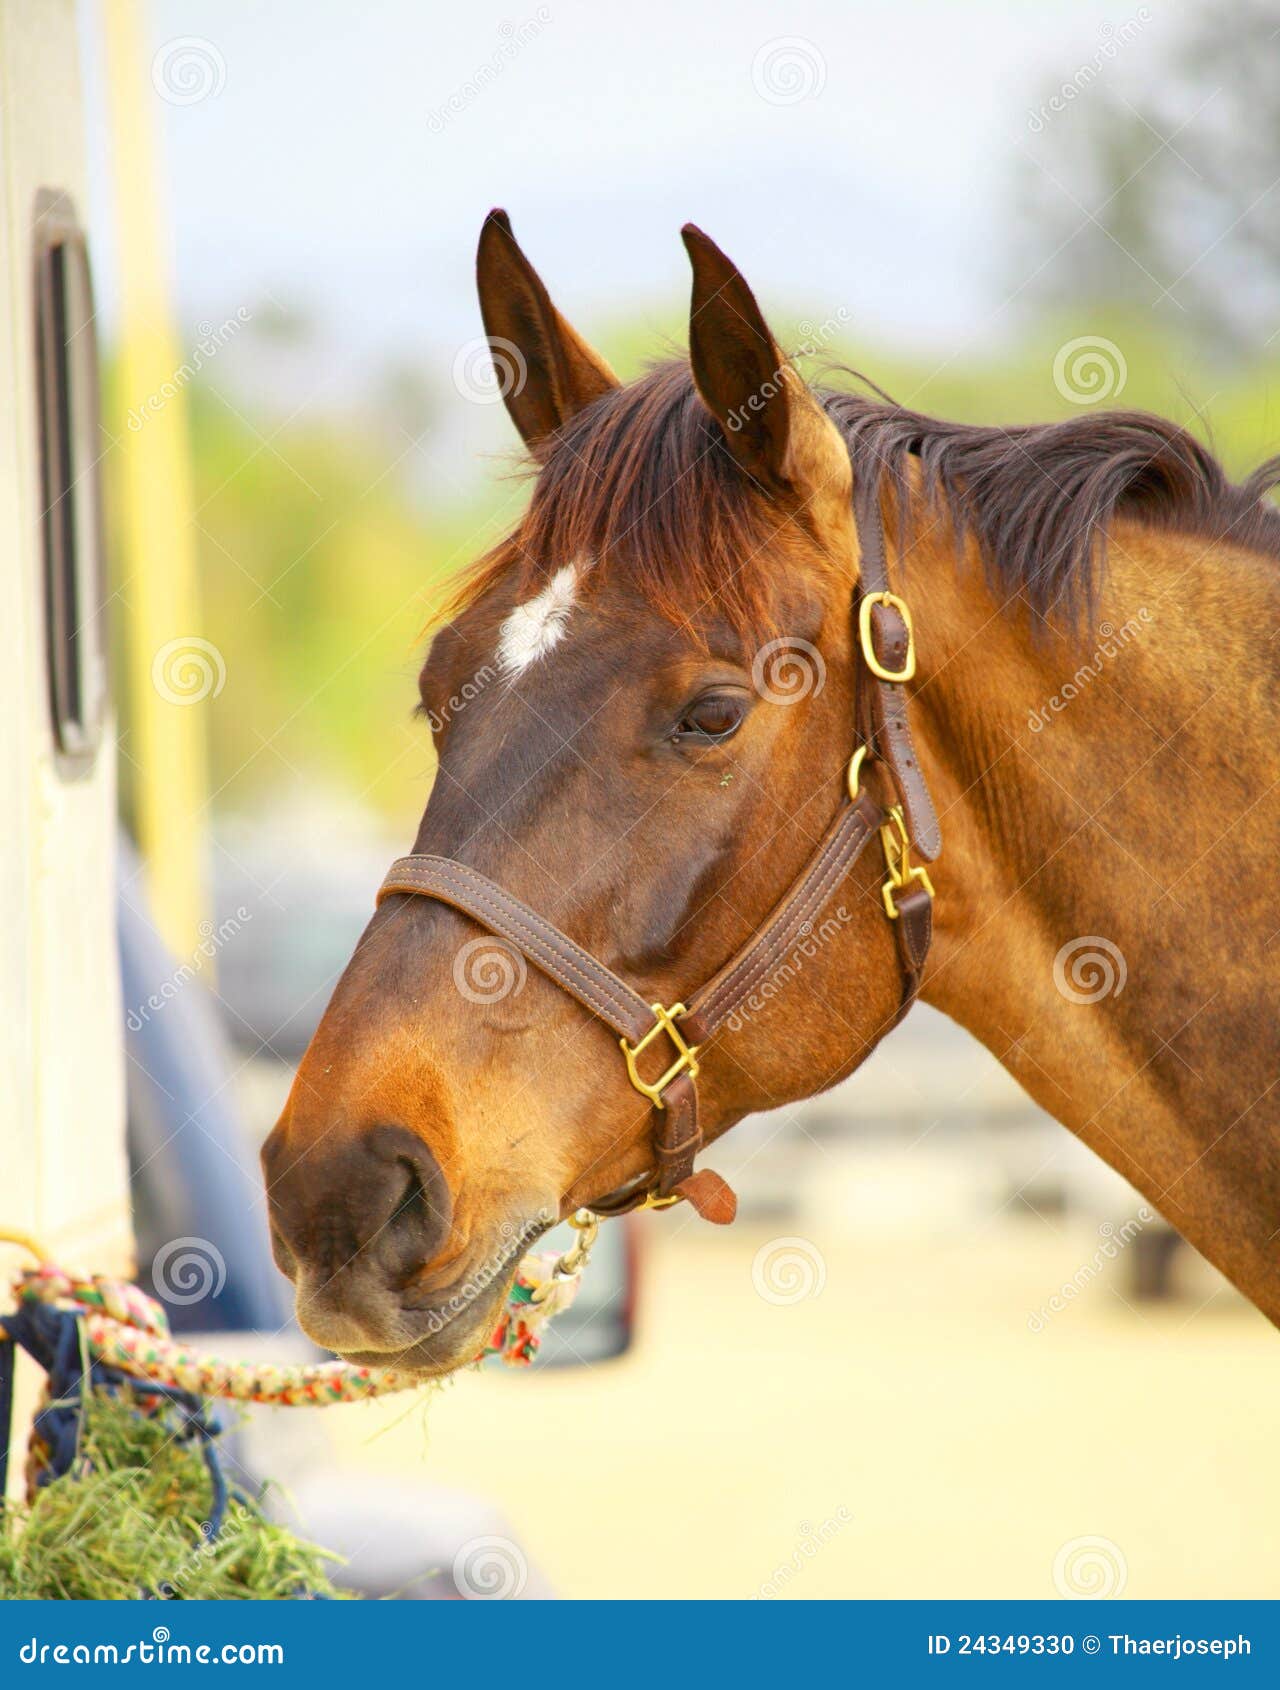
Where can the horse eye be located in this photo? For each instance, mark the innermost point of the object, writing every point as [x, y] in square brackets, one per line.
[713, 717]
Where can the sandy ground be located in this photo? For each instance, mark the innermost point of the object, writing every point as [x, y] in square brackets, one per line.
[900, 1431]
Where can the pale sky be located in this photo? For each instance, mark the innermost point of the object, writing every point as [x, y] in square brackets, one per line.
[851, 156]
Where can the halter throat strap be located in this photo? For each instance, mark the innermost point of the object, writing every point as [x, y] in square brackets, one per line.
[661, 1045]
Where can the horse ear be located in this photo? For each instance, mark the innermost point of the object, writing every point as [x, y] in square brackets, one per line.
[772, 424]
[546, 371]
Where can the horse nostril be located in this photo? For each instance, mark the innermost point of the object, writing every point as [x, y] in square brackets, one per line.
[369, 1201]
[416, 1224]
[419, 1222]
[413, 1204]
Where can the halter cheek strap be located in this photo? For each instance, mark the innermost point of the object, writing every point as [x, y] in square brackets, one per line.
[661, 1045]
[886, 643]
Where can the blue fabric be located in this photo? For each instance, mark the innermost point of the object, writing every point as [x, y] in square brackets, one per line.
[52, 1338]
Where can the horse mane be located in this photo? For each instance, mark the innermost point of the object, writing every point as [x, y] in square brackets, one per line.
[1038, 499]
[641, 484]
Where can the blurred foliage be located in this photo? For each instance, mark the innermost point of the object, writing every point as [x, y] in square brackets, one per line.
[1153, 182]
[322, 564]
[319, 574]
[130, 1521]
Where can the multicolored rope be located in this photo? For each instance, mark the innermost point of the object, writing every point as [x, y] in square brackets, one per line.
[126, 1329]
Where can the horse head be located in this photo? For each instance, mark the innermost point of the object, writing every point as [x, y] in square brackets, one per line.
[642, 705]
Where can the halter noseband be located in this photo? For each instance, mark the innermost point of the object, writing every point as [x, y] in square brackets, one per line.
[886, 644]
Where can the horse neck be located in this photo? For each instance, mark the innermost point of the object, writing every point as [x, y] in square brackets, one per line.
[1106, 922]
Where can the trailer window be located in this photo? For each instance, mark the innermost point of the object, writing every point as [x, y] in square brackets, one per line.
[70, 445]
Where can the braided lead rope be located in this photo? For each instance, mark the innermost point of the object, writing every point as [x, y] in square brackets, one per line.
[127, 1329]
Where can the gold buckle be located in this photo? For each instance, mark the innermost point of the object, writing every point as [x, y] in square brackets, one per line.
[897, 859]
[892, 602]
[663, 1022]
[652, 1202]
[853, 777]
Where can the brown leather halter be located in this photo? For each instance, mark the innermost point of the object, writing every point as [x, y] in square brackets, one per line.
[887, 648]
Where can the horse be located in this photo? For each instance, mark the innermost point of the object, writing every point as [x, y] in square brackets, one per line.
[649, 708]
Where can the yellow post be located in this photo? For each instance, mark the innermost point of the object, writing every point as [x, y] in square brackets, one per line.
[169, 668]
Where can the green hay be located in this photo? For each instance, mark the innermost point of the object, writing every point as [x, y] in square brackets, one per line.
[127, 1522]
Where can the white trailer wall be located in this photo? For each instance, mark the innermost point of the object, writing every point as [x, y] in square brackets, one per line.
[63, 1172]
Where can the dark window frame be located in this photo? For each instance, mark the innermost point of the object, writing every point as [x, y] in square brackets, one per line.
[67, 398]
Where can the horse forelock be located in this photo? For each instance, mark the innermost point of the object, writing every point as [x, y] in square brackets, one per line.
[640, 490]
